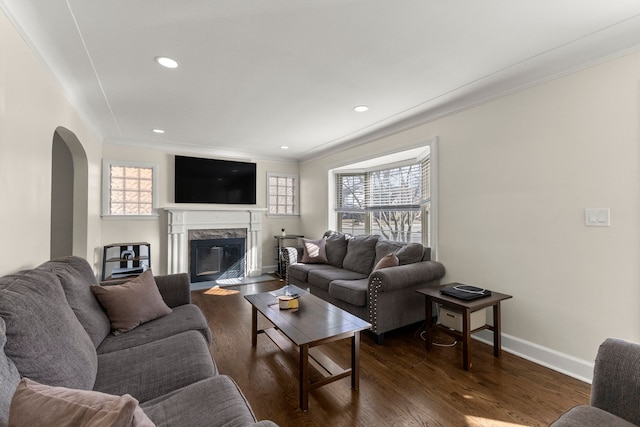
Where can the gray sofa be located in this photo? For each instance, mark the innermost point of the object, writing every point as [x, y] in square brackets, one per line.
[55, 332]
[615, 390]
[386, 297]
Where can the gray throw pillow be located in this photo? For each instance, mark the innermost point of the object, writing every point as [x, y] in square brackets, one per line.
[45, 340]
[361, 253]
[9, 378]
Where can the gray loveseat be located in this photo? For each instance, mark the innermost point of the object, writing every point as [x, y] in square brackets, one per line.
[386, 297]
[615, 390]
[55, 332]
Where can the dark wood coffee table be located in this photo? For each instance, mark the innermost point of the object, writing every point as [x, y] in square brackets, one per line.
[432, 294]
[314, 323]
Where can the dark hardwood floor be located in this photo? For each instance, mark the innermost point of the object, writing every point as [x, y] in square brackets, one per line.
[400, 384]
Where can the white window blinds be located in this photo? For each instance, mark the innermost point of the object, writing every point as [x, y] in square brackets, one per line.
[404, 188]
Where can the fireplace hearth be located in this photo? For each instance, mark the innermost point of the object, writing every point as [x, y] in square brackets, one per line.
[213, 259]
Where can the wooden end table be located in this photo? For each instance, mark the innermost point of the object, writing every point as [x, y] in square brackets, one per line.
[432, 294]
[314, 323]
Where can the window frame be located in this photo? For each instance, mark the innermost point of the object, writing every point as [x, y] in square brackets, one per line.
[296, 193]
[106, 188]
[429, 210]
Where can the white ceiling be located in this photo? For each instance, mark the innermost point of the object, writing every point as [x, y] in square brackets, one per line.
[255, 75]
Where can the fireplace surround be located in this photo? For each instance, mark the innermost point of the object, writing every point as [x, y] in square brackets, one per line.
[186, 224]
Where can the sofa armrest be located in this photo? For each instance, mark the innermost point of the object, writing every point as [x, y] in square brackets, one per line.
[616, 379]
[406, 276]
[175, 289]
[290, 255]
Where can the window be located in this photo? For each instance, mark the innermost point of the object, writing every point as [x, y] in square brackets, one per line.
[393, 200]
[282, 194]
[129, 189]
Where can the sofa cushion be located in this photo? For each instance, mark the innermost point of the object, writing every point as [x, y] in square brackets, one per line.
[411, 253]
[133, 303]
[336, 248]
[313, 251]
[76, 277]
[361, 253]
[37, 404]
[353, 292]
[386, 247]
[183, 407]
[408, 253]
[299, 273]
[589, 416]
[156, 368]
[322, 278]
[183, 318]
[9, 378]
[426, 254]
[45, 340]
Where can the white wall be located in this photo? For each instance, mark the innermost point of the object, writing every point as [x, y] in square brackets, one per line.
[515, 177]
[32, 106]
[155, 231]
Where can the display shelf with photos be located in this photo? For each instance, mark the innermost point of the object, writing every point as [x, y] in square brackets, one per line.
[122, 260]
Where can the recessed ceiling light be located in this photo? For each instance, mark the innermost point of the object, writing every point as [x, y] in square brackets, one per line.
[284, 147]
[158, 131]
[361, 108]
[166, 62]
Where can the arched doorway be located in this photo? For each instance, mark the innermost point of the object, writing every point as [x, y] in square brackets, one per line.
[69, 186]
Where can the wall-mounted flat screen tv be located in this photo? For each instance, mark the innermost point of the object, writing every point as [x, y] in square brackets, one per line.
[199, 180]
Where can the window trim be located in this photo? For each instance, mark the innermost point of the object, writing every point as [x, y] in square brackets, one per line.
[296, 193]
[106, 166]
[432, 216]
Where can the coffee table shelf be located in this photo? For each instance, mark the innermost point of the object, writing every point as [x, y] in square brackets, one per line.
[322, 370]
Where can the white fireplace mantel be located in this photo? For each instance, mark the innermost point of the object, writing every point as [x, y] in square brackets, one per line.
[182, 220]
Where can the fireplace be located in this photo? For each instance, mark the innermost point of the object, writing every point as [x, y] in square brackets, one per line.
[212, 259]
[187, 225]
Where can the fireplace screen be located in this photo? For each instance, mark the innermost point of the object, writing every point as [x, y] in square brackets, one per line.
[213, 259]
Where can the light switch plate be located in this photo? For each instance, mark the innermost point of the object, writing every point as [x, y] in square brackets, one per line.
[597, 217]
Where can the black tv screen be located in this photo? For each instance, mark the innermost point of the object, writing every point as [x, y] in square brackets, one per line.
[199, 180]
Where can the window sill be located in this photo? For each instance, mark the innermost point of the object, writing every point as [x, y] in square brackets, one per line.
[130, 217]
[283, 215]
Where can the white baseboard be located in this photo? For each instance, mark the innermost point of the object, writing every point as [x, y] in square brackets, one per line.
[563, 363]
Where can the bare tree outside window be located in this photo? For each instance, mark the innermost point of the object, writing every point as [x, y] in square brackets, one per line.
[351, 217]
[395, 193]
